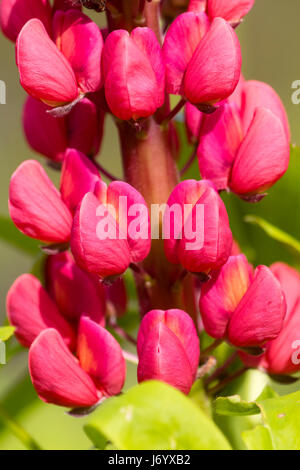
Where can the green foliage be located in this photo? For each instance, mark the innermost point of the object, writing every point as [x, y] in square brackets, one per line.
[154, 416]
[280, 416]
[6, 332]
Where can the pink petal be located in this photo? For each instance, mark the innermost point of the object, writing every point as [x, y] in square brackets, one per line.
[80, 41]
[55, 84]
[45, 134]
[214, 70]
[101, 357]
[289, 280]
[263, 156]
[75, 292]
[162, 357]
[194, 120]
[35, 205]
[85, 127]
[197, 5]
[147, 42]
[79, 176]
[15, 13]
[138, 236]
[30, 310]
[260, 314]
[231, 10]
[258, 94]
[282, 354]
[181, 41]
[209, 246]
[105, 257]
[221, 295]
[56, 374]
[130, 80]
[181, 324]
[117, 299]
[221, 136]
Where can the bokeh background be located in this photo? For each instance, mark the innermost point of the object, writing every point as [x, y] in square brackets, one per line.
[269, 37]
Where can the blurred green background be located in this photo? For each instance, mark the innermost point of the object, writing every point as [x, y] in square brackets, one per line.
[269, 39]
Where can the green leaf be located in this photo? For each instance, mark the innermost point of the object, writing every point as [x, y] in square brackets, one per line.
[11, 235]
[282, 417]
[154, 416]
[258, 438]
[275, 233]
[6, 332]
[235, 406]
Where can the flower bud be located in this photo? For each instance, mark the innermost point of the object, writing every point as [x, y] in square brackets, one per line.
[168, 349]
[60, 72]
[203, 61]
[15, 13]
[134, 74]
[31, 310]
[111, 231]
[80, 41]
[75, 292]
[198, 235]
[50, 136]
[36, 206]
[56, 374]
[244, 145]
[243, 307]
[232, 11]
[101, 356]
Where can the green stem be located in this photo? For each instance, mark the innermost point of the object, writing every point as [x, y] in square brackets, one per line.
[20, 433]
[222, 369]
[227, 381]
[211, 348]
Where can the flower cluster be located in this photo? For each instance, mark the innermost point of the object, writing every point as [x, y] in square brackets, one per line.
[192, 278]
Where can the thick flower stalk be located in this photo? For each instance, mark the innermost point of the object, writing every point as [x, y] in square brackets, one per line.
[173, 235]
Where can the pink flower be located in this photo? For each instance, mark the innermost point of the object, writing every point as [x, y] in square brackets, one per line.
[75, 292]
[38, 209]
[203, 61]
[117, 299]
[75, 58]
[134, 74]
[15, 13]
[198, 235]
[31, 310]
[244, 145]
[50, 136]
[36, 206]
[168, 349]
[62, 379]
[243, 307]
[232, 11]
[282, 356]
[111, 230]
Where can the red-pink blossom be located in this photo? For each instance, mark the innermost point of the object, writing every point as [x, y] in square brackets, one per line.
[60, 71]
[31, 310]
[75, 292]
[134, 73]
[247, 308]
[101, 240]
[203, 61]
[36, 206]
[197, 235]
[63, 379]
[168, 348]
[15, 13]
[81, 129]
[244, 145]
[232, 11]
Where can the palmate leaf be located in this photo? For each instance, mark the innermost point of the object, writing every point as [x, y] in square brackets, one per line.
[154, 416]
